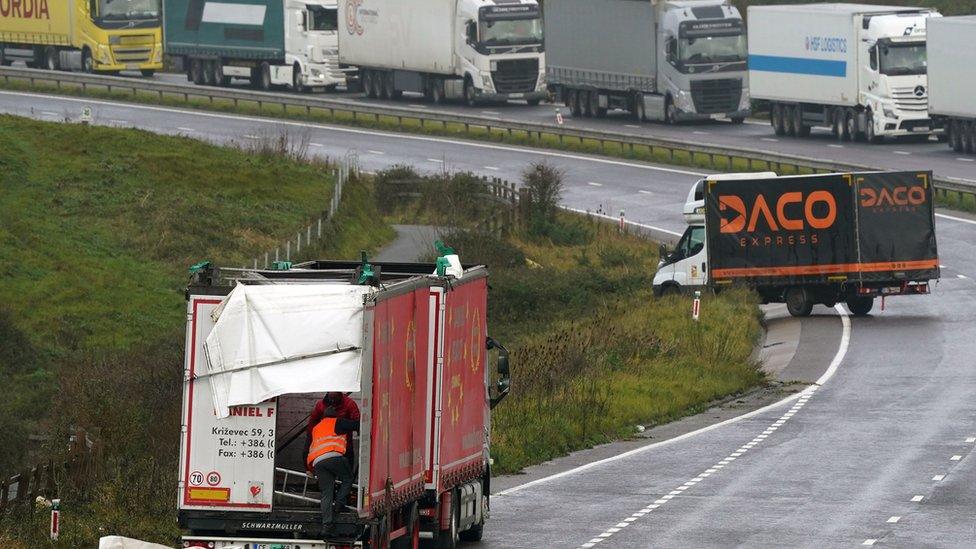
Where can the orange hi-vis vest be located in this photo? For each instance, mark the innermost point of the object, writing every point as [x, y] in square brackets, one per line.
[325, 440]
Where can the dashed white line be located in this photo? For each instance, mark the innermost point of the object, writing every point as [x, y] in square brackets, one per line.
[490, 112]
[955, 458]
[250, 136]
[893, 520]
[970, 439]
[917, 499]
[50, 113]
[594, 184]
[696, 132]
[376, 152]
[642, 191]
[632, 126]
[182, 129]
[835, 146]
[435, 160]
[492, 168]
[116, 121]
[938, 478]
[903, 153]
[417, 106]
[869, 542]
[966, 159]
[961, 276]
[769, 139]
[316, 144]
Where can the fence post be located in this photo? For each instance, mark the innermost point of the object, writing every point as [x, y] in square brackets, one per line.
[4, 490]
[308, 234]
[320, 228]
[288, 251]
[277, 248]
[298, 244]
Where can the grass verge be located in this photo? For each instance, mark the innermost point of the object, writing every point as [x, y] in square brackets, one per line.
[97, 228]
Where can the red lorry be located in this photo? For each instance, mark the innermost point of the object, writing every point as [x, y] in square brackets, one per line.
[409, 347]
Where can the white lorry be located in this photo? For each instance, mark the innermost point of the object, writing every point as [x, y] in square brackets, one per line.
[665, 60]
[952, 68]
[270, 42]
[857, 69]
[478, 50]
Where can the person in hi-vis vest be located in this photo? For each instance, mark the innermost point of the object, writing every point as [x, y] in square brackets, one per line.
[326, 457]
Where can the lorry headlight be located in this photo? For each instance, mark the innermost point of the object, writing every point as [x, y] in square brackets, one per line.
[316, 73]
[682, 100]
[541, 85]
[889, 112]
[158, 54]
[115, 40]
[104, 56]
[486, 82]
[744, 101]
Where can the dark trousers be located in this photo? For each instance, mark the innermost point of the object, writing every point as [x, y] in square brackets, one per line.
[328, 471]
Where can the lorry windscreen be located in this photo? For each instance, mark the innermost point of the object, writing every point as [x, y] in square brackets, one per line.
[712, 49]
[511, 32]
[128, 10]
[902, 59]
[323, 19]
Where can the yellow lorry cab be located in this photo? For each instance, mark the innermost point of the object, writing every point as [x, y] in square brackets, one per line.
[105, 36]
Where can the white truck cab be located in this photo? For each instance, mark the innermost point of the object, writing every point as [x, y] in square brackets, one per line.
[311, 46]
[686, 267]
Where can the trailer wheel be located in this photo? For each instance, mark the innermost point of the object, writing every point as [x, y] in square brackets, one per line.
[598, 111]
[575, 109]
[379, 537]
[670, 116]
[968, 139]
[52, 59]
[776, 119]
[860, 306]
[802, 130]
[208, 73]
[955, 136]
[196, 71]
[217, 70]
[789, 121]
[264, 76]
[798, 302]
[387, 81]
[437, 91]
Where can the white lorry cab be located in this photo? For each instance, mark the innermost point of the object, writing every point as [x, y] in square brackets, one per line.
[857, 69]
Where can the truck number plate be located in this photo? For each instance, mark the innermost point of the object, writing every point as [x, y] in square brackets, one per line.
[716, 116]
[516, 95]
[921, 128]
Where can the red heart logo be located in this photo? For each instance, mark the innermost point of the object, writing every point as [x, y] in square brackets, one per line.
[255, 490]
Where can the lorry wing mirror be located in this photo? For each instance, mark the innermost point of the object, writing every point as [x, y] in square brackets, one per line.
[302, 18]
[504, 384]
[662, 251]
[471, 32]
[93, 7]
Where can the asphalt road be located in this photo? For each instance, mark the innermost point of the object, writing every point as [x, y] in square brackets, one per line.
[758, 135]
[879, 453]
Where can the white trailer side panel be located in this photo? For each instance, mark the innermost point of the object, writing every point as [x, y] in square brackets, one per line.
[415, 35]
[952, 66]
[803, 53]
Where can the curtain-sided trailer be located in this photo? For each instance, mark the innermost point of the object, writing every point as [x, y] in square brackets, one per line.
[263, 346]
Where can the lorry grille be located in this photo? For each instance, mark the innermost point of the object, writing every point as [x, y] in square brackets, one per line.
[914, 99]
[716, 96]
[132, 54]
[516, 75]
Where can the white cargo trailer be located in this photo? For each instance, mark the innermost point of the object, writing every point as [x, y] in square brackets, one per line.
[478, 50]
[857, 69]
[952, 76]
[667, 60]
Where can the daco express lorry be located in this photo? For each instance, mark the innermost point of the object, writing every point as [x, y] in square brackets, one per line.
[105, 36]
[269, 42]
[411, 348]
[665, 60]
[854, 68]
[476, 50]
[806, 240]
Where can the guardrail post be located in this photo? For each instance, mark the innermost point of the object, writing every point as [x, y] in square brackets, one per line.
[298, 244]
[4, 491]
[288, 250]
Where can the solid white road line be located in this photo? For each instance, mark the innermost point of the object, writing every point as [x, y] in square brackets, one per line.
[632, 126]
[961, 276]
[389, 135]
[696, 132]
[954, 218]
[316, 145]
[631, 223]
[50, 113]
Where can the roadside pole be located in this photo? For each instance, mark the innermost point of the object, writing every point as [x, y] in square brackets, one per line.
[55, 519]
[696, 306]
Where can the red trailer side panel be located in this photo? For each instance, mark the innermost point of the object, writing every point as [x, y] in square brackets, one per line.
[464, 397]
[399, 400]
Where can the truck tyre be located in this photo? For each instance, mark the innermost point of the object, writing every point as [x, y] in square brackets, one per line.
[437, 91]
[869, 133]
[738, 120]
[840, 121]
[789, 121]
[52, 59]
[955, 136]
[776, 119]
[148, 73]
[196, 71]
[860, 306]
[850, 126]
[296, 79]
[598, 111]
[264, 76]
[87, 63]
[386, 82]
[369, 84]
[798, 302]
[670, 290]
[966, 133]
[217, 73]
[586, 105]
[638, 107]
[208, 73]
[470, 98]
[802, 130]
[448, 539]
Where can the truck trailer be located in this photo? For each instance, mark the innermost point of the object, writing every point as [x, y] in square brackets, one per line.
[103, 36]
[476, 50]
[806, 240]
[854, 68]
[412, 350]
[951, 68]
[665, 60]
[269, 42]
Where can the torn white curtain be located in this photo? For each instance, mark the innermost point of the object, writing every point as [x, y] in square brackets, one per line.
[278, 339]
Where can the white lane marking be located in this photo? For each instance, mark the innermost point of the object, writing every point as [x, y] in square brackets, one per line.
[492, 168]
[806, 393]
[251, 136]
[417, 105]
[966, 159]
[50, 113]
[769, 139]
[893, 520]
[436, 160]
[122, 122]
[869, 542]
[375, 152]
[594, 184]
[182, 129]
[835, 146]
[955, 458]
[961, 276]
[696, 132]
[389, 135]
[490, 112]
[632, 126]
[903, 153]
[938, 478]
[316, 144]
[917, 499]
[970, 439]
[642, 191]
[633, 224]
[954, 218]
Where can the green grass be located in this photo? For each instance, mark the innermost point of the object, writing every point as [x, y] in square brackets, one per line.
[97, 228]
[408, 125]
[964, 202]
[593, 353]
